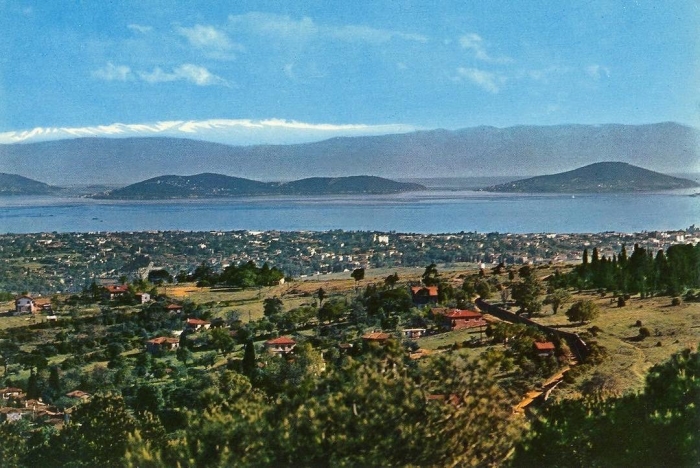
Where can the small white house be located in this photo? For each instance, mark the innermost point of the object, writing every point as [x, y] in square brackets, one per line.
[143, 298]
[25, 305]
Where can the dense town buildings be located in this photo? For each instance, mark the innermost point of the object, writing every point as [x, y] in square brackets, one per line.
[51, 262]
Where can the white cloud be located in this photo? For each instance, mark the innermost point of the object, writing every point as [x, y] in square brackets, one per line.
[272, 24]
[305, 28]
[111, 72]
[187, 72]
[475, 43]
[596, 71]
[231, 131]
[206, 37]
[488, 81]
[139, 28]
[367, 34]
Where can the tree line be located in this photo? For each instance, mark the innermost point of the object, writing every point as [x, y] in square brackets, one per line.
[247, 275]
[643, 272]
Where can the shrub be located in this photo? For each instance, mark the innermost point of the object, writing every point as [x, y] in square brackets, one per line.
[594, 330]
[676, 301]
[621, 301]
[638, 323]
[644, 332]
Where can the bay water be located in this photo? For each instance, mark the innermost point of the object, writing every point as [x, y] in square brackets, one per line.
[432, 211]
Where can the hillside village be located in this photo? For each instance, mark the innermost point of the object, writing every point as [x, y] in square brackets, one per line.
[164, 350]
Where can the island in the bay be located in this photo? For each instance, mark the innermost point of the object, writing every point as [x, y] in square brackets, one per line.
[13, 184]
[222, 186]
[603, 177]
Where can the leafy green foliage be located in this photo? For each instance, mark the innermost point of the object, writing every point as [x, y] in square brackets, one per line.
[364, 413]
[583, 311]
[656, 428]
[526, 294]
[557, 298]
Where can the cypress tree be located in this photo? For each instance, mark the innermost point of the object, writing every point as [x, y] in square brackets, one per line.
[248, 363]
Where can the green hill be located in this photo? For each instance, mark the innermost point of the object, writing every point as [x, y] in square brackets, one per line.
[12, 184]
[221, 186]
[604, 177]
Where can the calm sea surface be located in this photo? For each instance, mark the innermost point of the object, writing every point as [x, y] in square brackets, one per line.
[421, 212]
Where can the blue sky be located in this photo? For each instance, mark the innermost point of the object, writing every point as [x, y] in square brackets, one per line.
[252, 72]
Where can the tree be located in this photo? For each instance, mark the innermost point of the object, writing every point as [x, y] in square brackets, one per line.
[248, 364]
[272, 306]
[430, 276]
[557, 298]
[160, 276]
[526, 294]
[358, 275]
[222, 341]
[148, 398]
[469, 289]
[391, 280]
[483, 289]
[96, 435]
[583, 311]
[183, 354]
[321, 293]
[332, 310]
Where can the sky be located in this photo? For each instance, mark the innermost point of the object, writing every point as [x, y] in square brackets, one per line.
[281, 72]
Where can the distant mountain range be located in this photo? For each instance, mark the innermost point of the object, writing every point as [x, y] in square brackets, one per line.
[479, 151]
[221, 186]
[11, 184]
[597, 178]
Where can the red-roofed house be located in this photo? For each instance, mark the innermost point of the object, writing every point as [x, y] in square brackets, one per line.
[376, 337]
[114, 291]
[175, 309]
[11, 392]
[197, 324]
[458, 319]
[544, 349]
[422, 295]
[162, 343]
[78, 394]
[281, 345]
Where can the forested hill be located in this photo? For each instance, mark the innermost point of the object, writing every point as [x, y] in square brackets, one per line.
[221, 186]
[12, 184]
[597, 178]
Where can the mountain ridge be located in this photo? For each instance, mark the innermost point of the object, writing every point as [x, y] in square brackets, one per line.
[476, 151]
[602, 177]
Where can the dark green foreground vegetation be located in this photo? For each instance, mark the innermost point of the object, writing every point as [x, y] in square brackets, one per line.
[369, 412]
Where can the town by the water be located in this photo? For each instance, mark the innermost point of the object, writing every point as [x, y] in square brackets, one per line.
[48, 263]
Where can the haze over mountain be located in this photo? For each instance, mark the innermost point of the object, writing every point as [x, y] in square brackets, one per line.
[478, 151]
[602, 177]
[220, 186]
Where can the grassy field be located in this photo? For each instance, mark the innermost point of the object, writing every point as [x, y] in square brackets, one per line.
[629, 358]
